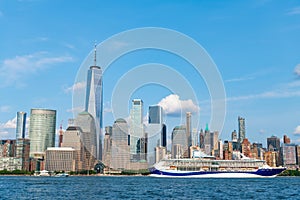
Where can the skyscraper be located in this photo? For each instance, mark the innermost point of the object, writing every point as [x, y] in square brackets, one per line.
[155, 115]
[207, 141]
[94, 101]
[234, 137]
[106, 157]
[120, 154]
[273, 143]
[136, 129]
[73, 138]
[86, 122]
[155, 132]
[288, 155]
[201, 139]
[164, 136]
[21, 125]
[195, 137]
[286, 139]
[242, 129]
[41, 131]
[179, 142]
[189, 128]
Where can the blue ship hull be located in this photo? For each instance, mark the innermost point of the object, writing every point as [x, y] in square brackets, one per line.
[260, 173]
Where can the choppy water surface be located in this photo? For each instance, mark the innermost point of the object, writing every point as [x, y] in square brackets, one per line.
[104, 187]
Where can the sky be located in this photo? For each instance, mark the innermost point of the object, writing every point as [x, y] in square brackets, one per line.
[46, 46]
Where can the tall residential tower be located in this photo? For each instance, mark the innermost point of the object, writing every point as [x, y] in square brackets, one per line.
[21, 125]
[242, 129]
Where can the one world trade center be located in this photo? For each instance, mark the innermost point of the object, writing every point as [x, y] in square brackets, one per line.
[94, 101]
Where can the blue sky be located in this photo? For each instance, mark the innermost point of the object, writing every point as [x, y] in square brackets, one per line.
[254, 44]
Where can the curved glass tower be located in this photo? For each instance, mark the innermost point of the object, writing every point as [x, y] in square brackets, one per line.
[41, 131]
[21, 125]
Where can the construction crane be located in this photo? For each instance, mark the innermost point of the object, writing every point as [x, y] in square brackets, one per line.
[61, 132]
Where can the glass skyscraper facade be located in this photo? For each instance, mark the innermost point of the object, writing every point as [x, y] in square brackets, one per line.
[155, 115]
[179, 142]
[189, 129]
[154, 132]
[273, 143]
[21, 125]
[41, 131]
[94, 102]
[120, 151]
[136, 129]
[86, 122]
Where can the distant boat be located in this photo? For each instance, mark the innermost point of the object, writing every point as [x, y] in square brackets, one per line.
[42, 173]
[62, 175]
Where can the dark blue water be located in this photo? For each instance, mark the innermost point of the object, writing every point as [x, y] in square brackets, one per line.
[18, 187]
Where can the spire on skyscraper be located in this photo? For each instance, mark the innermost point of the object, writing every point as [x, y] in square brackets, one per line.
[95, 55]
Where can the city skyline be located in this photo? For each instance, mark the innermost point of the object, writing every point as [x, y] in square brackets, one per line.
[260, 73]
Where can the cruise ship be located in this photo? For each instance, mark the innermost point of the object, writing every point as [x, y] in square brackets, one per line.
[209, 168]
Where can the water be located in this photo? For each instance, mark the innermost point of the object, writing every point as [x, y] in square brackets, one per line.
[100, 187]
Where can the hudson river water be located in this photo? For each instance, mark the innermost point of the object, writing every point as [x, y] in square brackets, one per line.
[139, 187]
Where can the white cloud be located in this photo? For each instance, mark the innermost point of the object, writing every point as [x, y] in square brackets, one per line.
[4, 134]
[297, 70]
[76, 109]
[5, 108]
[146, 119]
[76, 86]
[13, 70]
[27, 122]
[296, 141]
[294, 84]
[239, 79]
[107, 107]
[297, 130]
[8, 129]
[293, 11]
[265, 95]
[107, 110]
[117, 45]
[173, 105]
[70, 46]
[262, 131]
[9, 124]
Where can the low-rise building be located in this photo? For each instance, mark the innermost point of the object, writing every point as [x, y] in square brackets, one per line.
[60, 159]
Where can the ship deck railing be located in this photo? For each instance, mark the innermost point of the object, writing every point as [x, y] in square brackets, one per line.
[222, 164]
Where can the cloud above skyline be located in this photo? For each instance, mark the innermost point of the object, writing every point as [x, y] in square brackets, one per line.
[239, 79]
[294, 11]
[297, 70]
[297, 130]
[12, 70]
[5, 108]
[75, 87]
[8, 129]
[174, 106]
[9, 124]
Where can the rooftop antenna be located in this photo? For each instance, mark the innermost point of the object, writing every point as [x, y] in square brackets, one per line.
[95, 54]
